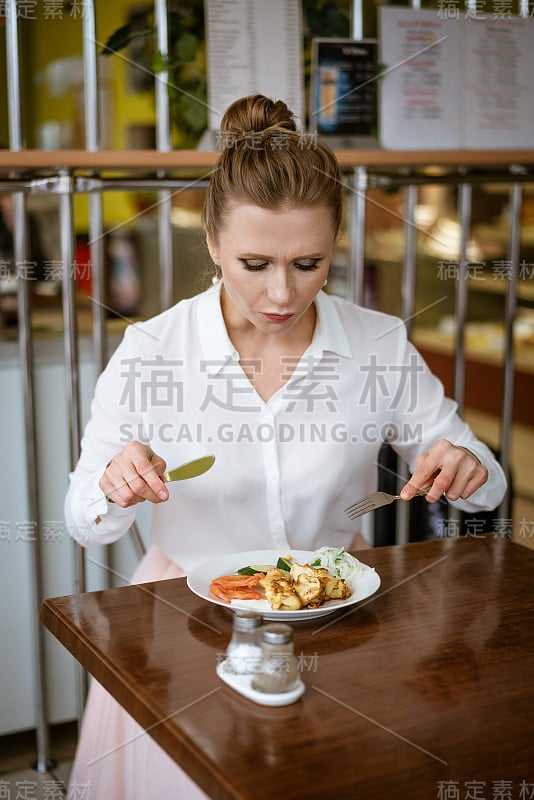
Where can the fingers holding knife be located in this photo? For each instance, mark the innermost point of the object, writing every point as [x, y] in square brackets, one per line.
[135, 475]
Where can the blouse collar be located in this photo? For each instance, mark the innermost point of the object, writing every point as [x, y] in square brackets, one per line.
[329, 335]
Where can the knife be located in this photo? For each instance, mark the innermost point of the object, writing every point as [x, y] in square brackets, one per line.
[189, 470]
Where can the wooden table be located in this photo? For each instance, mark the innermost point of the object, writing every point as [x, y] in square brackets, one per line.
[424, 691]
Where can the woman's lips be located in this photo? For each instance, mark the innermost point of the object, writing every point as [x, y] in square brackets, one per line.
[278, 317]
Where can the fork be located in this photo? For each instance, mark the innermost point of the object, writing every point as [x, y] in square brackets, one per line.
[375, 500]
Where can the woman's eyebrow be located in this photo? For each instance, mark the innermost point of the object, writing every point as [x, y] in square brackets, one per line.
[263, 255]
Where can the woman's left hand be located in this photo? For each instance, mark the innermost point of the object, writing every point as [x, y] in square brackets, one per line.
[448, 469]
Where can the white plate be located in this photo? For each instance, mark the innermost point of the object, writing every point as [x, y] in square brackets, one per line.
[200, 578]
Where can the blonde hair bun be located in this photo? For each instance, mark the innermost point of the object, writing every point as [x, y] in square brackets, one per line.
[267, 162]
[257, 114]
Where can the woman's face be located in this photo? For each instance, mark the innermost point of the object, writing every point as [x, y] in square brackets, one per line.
[273, 263]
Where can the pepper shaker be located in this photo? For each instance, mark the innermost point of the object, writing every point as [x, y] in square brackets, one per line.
[279, 668]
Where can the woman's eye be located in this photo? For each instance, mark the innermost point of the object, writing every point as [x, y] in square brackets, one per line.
[307, 265]
[253, 265]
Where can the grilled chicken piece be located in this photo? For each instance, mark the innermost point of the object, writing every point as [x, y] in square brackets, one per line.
[309, 589]
[275, 574]
[307, 584]
[302, 586]
[333, 588]
[301, 569]
[280, 591]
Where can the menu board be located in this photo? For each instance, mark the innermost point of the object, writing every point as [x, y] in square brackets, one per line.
[420, 86]
[455, 83]
[253, 46]
[343, 102]
[498, 91]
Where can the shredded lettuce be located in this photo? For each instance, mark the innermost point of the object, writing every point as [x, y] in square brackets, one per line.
[340, 564]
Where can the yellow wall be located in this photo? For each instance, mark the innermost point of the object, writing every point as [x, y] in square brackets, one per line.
[48, 39]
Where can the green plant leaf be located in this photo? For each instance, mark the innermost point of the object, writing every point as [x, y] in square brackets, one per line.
[185, 48]
[185, 63]
[122, 37]
[191, 110]
[159, 62]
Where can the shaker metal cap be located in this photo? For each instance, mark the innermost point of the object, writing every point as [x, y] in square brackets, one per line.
[246, 621]
[277, 633]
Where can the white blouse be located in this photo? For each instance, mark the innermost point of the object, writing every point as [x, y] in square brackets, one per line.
[285, 469]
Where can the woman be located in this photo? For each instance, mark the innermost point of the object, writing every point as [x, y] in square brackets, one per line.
[292, 390]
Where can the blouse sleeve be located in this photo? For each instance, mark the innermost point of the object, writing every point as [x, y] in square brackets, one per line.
[423, 415]
[90, 518]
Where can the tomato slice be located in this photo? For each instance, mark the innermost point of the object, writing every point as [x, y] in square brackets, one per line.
[235, 587]
[240, 580]
[217, 592]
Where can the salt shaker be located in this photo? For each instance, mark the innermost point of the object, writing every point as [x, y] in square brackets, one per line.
[244, 653]
[279, 669]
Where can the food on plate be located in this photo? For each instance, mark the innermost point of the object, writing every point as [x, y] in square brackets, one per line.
[284, 562]
[236, 587]
[340, 564]
[304, 587]
[279, 590]
[255, 568]
[288, 588]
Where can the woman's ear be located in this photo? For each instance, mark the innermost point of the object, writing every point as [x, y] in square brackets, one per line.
[213, 250]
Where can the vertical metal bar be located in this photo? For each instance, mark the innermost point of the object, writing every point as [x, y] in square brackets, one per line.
[163, 142]
[410, 258]
[516, 198]
[407, 311]
[137, 541]
[464, 214]
[356, 266]
[96, 223]
[96, 251]
[70, 344]
[28, 388]
[70, 339]
[357, 209]
[20, 236]
[357, 19]
[92, 143]
[165, 249]
[163, 139]
[13, 76]
[90, 78]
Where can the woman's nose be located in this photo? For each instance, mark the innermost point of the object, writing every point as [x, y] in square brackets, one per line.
[279, 289]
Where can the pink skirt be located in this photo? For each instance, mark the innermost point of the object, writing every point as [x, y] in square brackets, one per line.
[115, 759]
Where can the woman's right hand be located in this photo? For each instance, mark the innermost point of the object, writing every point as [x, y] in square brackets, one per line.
[135, 475]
